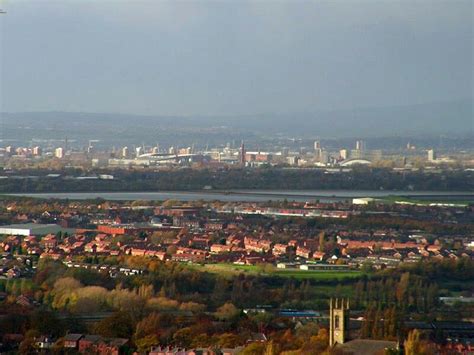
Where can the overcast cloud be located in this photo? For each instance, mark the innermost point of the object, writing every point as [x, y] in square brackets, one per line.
[233, 57]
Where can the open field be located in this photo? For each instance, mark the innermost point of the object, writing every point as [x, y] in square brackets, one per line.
[232, 269]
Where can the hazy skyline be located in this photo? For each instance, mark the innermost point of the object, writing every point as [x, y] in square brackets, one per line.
[227, 58]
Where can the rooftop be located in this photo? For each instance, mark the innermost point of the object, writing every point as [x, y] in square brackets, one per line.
[366, 346]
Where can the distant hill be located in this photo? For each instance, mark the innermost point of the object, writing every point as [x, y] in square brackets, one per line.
[427, 119]
[448, 118]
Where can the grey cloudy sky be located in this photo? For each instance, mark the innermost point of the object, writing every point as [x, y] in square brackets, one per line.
[233, 57]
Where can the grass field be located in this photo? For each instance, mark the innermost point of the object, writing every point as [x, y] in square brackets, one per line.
[232, 269]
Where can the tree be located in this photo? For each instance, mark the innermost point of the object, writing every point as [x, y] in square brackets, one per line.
[192, 307]
[271, 348]
[118, 325]
[228, 340]
[254, 349]
[308, 330]
[162, 303]
[317, 344]
[148, 326]
[171, 203]
[402, 288]
[28, 343]
[322, 240]
[262, 320]
[367, 267]
[201, 341]
[184, 337]
[146, 291]
[171, 250]
[144, 344]
[377, 329]
[46, 323]
[266, 268]
[414, 345]
[227, 312]
[367, 326]
[64, 291]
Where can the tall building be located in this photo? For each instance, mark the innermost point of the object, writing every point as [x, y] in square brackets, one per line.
[138, 151]
[338, 321]
[125, 152]
[374, 154]
[431, 155]
[359, 152]
[37, 150]
[324, 157]
[344, 154]
[242, 154]
[317, 150]
[59, 153]
[355, 154]
[318, 153]
[293, 160]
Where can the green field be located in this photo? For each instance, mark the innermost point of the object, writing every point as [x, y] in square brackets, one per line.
[232, 269]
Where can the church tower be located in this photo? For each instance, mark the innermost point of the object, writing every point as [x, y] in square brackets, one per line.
[338, 321]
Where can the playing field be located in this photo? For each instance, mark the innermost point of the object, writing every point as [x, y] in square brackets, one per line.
[231, 269]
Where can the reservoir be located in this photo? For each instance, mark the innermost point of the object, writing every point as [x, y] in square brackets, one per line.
[255, 195]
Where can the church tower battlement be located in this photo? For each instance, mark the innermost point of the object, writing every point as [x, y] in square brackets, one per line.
[338, 321]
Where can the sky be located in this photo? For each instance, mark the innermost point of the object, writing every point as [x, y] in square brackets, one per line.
[232, 57]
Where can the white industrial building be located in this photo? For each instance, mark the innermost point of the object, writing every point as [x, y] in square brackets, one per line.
[26, 229]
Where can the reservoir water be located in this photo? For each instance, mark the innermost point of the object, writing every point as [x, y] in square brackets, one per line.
[254, 195]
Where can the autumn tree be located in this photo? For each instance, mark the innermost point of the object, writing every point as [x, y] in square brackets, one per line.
[118, 325]
[184, 337]
[227, 312]
[144, 344]
[254, 349]
[322, 240]
[149, 325]
[415, 345]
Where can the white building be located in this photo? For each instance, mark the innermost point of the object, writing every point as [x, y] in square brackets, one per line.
[431, 155]
[125, 152]
[344, 154]
[59, 153]
[31, 229]
[362, 200]
[37, 151]
[293, 160]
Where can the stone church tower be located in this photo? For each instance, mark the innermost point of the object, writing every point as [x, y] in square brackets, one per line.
[338, 321]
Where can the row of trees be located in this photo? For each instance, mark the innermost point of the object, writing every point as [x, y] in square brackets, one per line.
[382, 323]
[265, 178]
[409, 292]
